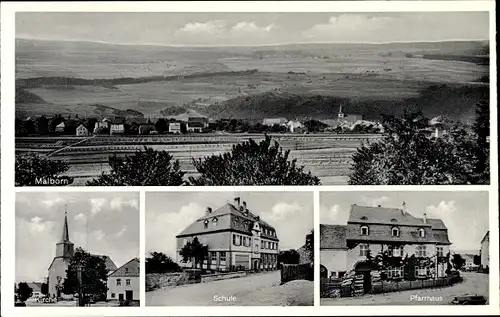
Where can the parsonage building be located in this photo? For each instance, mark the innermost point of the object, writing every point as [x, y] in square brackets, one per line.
[236, 238]
[372, 231]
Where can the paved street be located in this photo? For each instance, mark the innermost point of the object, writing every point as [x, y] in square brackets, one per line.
[70, 304]
[261, 289]
[474, 283]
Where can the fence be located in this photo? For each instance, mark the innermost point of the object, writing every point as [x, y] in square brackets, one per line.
[291, 272]
[332, 288]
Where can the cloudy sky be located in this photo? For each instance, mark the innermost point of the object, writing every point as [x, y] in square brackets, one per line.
[167, 214]
[464, 213]
[252, 28]
[101, 223]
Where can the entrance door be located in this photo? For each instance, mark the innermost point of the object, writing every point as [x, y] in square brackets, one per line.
[323, 271]
[256, 265]
[120, 297]
[129, 295]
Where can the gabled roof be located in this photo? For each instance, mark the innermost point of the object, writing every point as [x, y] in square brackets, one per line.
[228, 218]
[197, 119]
[383, 215]
[35, 286]
[196, 124]
[333, 237]
[110, 265]
[129, 269]
[486, 236]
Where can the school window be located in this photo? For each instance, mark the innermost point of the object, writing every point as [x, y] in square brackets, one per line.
[205, 224]
[395, 232]
[439, 251]
[213, 256]
[223, 256]
[363, 249]
[214, 222]
[127, 282]
[234, 239]
[396, 251]
[118, 282]
[365, 231]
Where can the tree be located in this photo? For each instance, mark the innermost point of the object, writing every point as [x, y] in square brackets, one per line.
[144, 168]
[42, 125]
[159, 262]
[477, 260]
[252, 163]
[94, 275]
[289, 257]
[44, 289]
[32, 166]
[407, 156]
[23, 291]
[457, 261]
[309, 246]
[482, 130]
[194, 252]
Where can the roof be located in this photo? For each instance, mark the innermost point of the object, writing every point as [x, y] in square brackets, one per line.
[82, 125]
[228, 218]
[65, 231]
[35, 286]
[281, 119]
[486, 236]
[197, 119]
[196, 124]
[304, 255]
[129, 269]
[383, 215]
[333, 237]
[110, 265]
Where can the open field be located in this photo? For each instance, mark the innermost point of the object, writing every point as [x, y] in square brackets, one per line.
[327, 156]
[151, 78]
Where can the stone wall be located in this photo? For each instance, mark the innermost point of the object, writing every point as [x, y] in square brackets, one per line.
[222, 276]
[164, 280]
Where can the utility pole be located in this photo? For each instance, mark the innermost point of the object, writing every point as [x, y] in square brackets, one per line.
[79, 278]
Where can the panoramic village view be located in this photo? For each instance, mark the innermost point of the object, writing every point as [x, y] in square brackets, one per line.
[86, 252]
[214, 248]
[289, 100]
[404, 248]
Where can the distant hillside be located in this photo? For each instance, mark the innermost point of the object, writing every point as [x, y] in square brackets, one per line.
[173, 111]
[24, 96]
[454, 102]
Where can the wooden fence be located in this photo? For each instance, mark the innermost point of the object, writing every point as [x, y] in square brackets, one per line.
[291, 272]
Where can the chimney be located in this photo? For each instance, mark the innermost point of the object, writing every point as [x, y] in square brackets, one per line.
[425, 218]
[404, 208]
[237, 201]
[209, 210]
[257, 218]
[241, 209]
[245, 205]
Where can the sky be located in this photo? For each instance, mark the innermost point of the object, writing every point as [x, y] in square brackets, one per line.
[167, 214]
[101, 223]
[464, 213]
[193, 29]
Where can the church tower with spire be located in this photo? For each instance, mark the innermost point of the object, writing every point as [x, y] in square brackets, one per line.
[60, 263]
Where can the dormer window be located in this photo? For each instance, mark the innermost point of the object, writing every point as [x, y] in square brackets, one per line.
[365, 231]
[215, 221]
[395, 232]
[421, 233]
[364, 218]
[205, 224]
[393, 220]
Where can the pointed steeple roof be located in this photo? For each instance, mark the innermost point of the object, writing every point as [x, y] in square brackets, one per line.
[65, 232]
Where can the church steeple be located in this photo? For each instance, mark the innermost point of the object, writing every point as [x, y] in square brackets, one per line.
[64, 248]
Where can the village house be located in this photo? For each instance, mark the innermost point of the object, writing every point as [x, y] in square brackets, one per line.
[174, 127]
[236, 238]
[82, 130]
[296, 127]
[116, 129]
[37, 290]
[196, 121]
[485, 251]
[103, 125]
[347, 118]
[273, 121]
[123, 283]
[146, 128]
[62, 259]
[194, 127]
[374, 230]
[469, 262]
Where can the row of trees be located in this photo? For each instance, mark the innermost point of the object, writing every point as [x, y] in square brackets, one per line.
[404, 156]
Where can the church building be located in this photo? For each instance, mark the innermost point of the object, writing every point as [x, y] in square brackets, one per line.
[60, 263]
